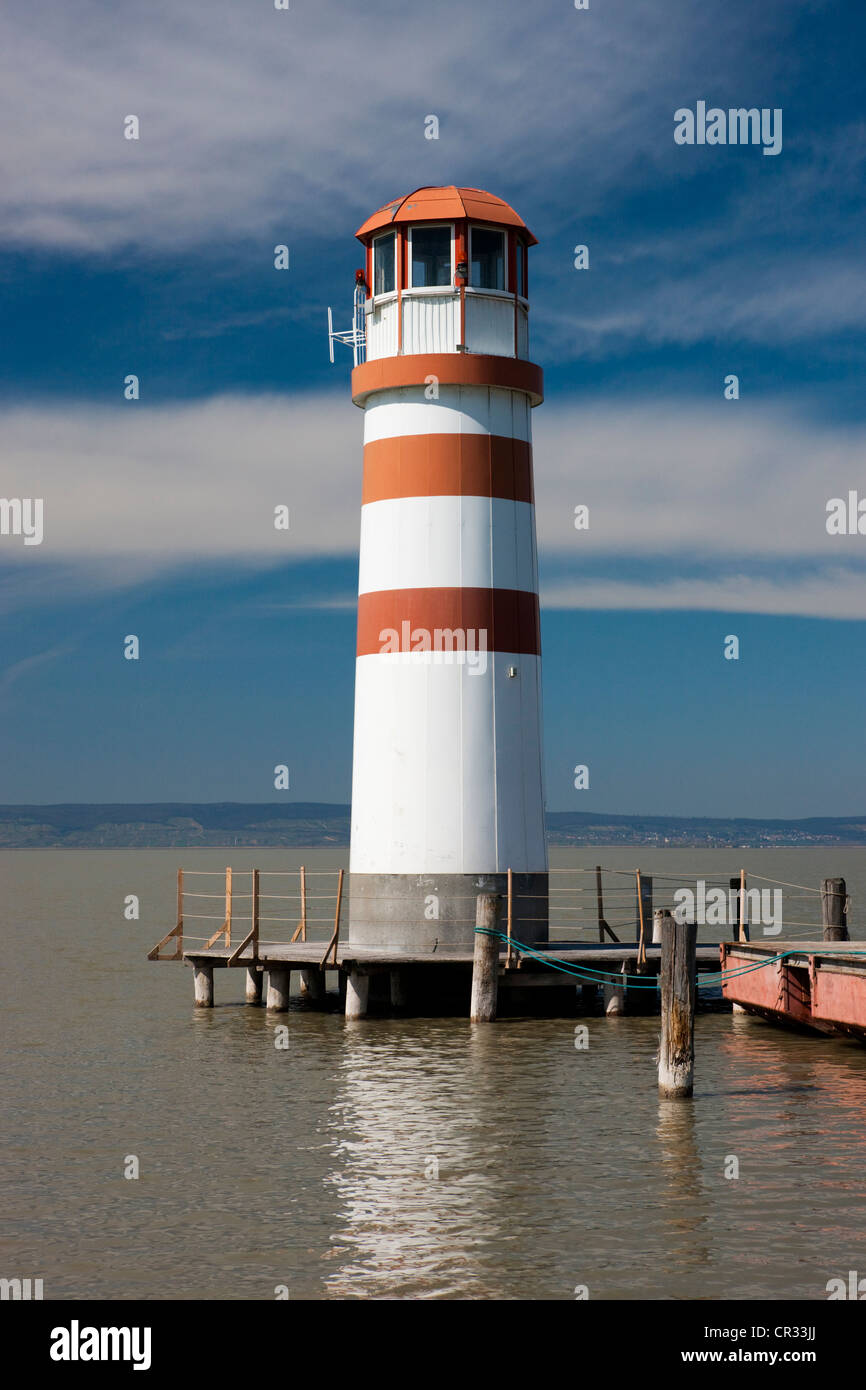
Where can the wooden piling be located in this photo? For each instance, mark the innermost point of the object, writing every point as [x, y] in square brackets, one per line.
[614, 999]
[203, 986]
[677, 1047]
[615, 995]
[485, 963]
[834, 909]
[357, 994]
[278, 988]
[313, 985]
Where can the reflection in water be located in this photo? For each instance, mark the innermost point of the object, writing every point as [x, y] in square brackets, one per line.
[685, 1206]
[418, 1163]
[315, 1166]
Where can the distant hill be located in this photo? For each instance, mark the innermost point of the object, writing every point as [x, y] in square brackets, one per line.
[596, 828]
[169, 824]
[323, 824]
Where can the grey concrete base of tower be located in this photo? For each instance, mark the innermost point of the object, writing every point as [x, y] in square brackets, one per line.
[435, 912]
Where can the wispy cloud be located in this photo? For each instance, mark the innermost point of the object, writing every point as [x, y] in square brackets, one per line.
[728, 299]
[682, 478]
[730, 500]
[20, 670]
[836, 592]
[258, 126]
[214, 328]
[251, 116]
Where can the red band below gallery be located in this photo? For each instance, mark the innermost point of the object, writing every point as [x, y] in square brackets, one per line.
[448, 369]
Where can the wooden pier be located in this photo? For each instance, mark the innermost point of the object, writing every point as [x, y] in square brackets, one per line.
[816, 984]
[347, 960]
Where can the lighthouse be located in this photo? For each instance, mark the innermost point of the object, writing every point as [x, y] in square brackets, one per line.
[447, 783]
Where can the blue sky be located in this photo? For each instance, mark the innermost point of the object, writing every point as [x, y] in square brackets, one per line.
[155, 257]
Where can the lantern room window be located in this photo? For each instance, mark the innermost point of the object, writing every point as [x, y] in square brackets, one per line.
[521, 268]
[486, 258]
[430, 256]
[385, 263]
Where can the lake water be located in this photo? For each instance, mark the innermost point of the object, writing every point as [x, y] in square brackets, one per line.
[396, 1158]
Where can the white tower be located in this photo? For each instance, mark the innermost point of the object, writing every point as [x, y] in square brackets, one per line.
[447, 791]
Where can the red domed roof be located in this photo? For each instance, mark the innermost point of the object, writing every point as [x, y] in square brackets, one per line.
[447, 203]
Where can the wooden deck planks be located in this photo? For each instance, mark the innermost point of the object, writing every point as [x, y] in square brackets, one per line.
[300, 954]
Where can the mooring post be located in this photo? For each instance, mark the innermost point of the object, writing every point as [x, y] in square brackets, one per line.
[677, 1047]
[357, 994]
[202, 980]
[279, 979]
[485, 961]
[834, 909]
[254, 985]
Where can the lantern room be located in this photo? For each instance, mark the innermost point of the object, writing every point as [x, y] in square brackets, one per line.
[446, 271]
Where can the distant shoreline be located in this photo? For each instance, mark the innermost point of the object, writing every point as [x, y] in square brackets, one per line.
[325, 825]
[551, 844]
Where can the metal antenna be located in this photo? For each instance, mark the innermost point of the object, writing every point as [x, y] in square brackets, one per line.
[354, 337]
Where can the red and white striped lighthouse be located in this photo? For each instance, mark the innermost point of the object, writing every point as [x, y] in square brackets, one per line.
[447, 791]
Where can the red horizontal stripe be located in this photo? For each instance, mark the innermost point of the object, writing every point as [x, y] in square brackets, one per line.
[508, 618]
[450, 369]
[448, 465]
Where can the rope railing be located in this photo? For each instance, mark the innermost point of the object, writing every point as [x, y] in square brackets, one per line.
[741, 905]
[304, 919]
[565, 908]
